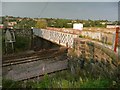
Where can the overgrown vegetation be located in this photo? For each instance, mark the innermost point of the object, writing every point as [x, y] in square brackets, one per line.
[23, 43]
[90, 75]
[27, 23]
[68, 23]
[63, 79]
[67, 80]
[81, 73]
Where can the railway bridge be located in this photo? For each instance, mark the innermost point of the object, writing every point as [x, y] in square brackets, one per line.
[60, 38]
[37, 64]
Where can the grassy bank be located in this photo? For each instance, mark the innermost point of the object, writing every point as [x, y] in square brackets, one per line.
[63, 79]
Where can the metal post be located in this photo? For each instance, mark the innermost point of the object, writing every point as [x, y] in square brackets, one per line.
[6, 47]
[31, 38]
[12, 47]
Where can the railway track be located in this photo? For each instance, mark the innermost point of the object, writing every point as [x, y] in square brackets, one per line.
[35, 65]
[46, 55]
[27, 60]
[40, 77]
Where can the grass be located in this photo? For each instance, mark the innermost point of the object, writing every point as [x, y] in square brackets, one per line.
[62, 79]
[11, 84]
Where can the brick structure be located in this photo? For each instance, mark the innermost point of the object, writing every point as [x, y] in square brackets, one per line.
[81, 48]
[92, 51]
[93, 60]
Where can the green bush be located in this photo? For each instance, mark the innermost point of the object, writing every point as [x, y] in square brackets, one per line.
[11, 84]
[81, 36]
[22, 43]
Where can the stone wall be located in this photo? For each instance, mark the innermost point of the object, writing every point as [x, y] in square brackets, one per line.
[93, 60]
[89, 50]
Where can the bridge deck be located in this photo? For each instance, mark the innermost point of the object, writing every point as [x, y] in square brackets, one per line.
[61, 38]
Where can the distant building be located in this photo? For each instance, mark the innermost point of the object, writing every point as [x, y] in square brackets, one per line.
[103, 23]
[69, 23]
[74, 21]
[111, 26]
[78, 26]
[20, 19]
[12, 23]
[1, 26]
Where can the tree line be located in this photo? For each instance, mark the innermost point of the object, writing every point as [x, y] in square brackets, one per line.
[27, 23]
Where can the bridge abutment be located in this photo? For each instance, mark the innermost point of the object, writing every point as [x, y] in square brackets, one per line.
[92, 59]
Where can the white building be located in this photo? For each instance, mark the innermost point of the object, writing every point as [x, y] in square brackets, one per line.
[78, 26]
[112, 26]
[1, 26]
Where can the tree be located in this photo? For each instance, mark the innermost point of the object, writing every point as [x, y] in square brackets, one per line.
[41, 23]
[25, 24]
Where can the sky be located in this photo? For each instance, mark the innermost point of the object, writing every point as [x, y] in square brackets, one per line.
[60, 0]
[67, 10]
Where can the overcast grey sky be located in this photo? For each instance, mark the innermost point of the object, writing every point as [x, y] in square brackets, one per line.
[59, 0]
[70, 10]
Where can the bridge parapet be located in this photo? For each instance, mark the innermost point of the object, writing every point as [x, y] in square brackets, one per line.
[64, 39]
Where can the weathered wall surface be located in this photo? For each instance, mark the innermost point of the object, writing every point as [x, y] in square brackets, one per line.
[93, 60]
[89, 50]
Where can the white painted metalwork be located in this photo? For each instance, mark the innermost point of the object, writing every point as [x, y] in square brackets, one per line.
[64, 39]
